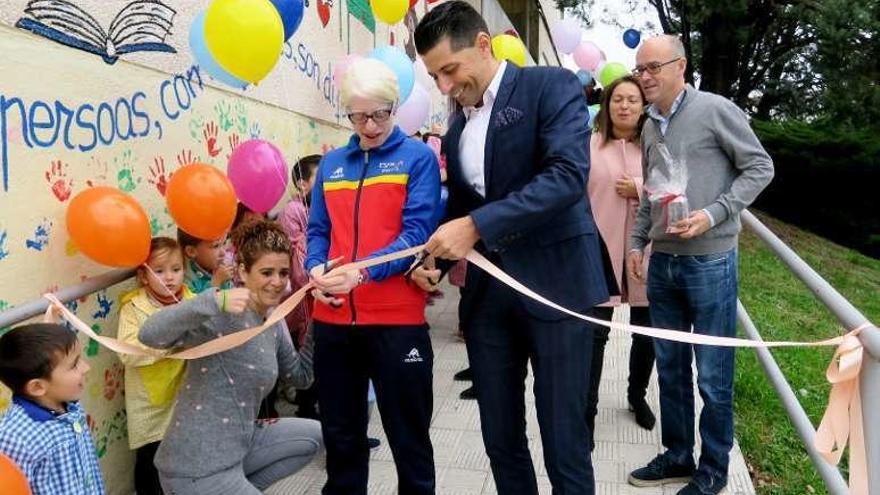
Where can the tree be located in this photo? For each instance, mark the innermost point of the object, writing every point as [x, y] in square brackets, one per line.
[751, 51]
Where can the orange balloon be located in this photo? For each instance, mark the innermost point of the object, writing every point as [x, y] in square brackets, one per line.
[109, 227]
[12, 480]
[201, 200]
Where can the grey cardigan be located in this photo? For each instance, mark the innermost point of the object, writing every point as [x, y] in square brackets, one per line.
[727, 168]
[217, 405]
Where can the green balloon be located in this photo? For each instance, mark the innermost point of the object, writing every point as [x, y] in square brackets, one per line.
[611, 72]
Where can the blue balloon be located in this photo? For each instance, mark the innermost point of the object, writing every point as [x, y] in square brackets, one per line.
[205, 59]
[632, 37]
[400, 64]
[584, 77]
[291, 12]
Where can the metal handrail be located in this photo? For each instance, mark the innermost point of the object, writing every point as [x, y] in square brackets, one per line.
[851, 318]
[830, 475]
[88, 286]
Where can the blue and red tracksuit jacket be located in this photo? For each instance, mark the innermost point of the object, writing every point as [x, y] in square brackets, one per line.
[367, 203]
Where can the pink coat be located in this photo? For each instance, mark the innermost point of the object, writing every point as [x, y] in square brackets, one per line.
[614, 215]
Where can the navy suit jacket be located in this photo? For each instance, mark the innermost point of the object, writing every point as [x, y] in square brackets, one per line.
[535, 220]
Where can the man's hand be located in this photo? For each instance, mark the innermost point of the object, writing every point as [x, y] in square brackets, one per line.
[222, 274]
[694, 225]
[428, 279]
[454, 239]
[634, 265]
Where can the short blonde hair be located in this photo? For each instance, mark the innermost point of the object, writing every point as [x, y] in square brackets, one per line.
[369, 79]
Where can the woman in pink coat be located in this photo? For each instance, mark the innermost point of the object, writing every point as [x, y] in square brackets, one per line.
[614, 188]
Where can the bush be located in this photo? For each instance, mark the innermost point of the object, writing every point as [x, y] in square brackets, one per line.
[826, 181]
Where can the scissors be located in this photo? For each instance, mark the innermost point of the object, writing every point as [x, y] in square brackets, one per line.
[422, 259]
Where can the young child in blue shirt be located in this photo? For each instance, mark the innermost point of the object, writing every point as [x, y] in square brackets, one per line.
[44, 431]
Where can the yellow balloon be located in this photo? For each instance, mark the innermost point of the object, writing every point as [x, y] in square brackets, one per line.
[244, 36]
[389, 11]
[507, 46]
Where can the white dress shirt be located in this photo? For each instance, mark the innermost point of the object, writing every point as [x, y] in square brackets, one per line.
[472, 144]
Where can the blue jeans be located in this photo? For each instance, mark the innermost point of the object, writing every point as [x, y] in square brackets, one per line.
[696, 292]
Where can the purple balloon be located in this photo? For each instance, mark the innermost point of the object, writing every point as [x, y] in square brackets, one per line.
[258, 174]
[414, 111]
[566, 35]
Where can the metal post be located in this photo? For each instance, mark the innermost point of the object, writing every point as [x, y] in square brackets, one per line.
[830, 475]
[36, 307]
[870, 393]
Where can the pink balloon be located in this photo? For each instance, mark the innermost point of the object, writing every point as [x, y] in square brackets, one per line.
[414, 111]
[258, 174]
[566, 35]
[587, 55]
[342, 66]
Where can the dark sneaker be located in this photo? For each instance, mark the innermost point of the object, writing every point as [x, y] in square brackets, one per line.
[659, 472]
[373, 443]
[644, 416]
[464, 375]
[468, 394]
[693, 489]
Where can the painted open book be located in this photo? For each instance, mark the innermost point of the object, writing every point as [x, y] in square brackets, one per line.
[142, 25]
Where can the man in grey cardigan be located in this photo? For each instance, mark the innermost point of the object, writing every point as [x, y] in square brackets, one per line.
[692, 276]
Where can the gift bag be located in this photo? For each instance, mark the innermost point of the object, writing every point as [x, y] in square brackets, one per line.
[666, 186]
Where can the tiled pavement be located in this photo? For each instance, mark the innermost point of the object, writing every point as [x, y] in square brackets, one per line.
[462, 466]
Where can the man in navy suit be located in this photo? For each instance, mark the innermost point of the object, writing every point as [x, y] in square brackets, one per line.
[517, 159]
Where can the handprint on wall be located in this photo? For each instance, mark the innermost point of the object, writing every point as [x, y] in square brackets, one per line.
[157, 175]
[185, 157]
[41, 236]
[57, 178]
[210, 133]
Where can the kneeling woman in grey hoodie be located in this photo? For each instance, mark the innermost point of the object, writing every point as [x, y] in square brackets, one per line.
[215, 444]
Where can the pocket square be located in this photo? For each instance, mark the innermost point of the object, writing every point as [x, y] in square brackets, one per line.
[507, 116]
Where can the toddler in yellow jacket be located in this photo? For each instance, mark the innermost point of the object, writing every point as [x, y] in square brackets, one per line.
[151, 383]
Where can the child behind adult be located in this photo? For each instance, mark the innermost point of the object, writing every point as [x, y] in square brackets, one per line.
[151, 383]
[45, 431]
[294, 219]
[205, 264]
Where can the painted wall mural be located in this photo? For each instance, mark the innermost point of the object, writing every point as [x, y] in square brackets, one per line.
[141, 25]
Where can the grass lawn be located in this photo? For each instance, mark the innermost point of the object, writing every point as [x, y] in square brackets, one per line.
[784, 309]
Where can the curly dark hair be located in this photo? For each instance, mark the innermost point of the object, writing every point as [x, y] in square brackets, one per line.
[255, 238]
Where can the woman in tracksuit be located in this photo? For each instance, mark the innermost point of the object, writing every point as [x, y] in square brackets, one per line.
[378, 194]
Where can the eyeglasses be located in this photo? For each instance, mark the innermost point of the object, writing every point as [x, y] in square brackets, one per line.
[378, 116]
[651, 68]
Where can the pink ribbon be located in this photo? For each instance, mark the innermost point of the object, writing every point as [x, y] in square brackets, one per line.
[841, 423]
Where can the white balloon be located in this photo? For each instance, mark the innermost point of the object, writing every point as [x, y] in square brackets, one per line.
[422, 76]
[413, 113]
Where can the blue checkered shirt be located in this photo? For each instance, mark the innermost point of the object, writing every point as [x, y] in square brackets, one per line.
[55, 453]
